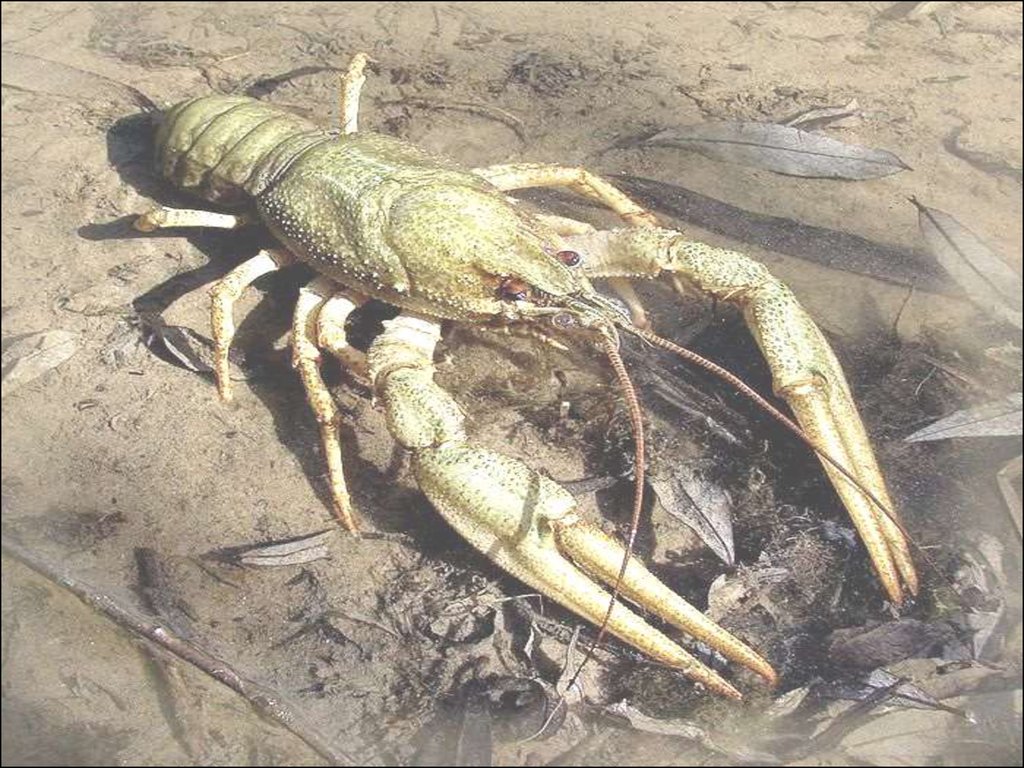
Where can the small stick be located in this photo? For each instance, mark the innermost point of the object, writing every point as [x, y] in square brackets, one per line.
[265, 701]
[472, 107]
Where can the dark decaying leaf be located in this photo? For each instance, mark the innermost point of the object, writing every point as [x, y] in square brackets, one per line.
[26, 358]
[988, 280]
[701, 505]
[875, 646]
[881, 686]
[1001, 418]
[782, 149]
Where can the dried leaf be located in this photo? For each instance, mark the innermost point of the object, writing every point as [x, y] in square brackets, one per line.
[1001, 418]
[982, 582]
[188, 349]
[988, 280]
[745, 591]
[811, 119]
[1008, 478]
[686, 730]
[702, 506]
[782, 149]
[788, 703]
[28, 357]
[924, 9]
[569, 686]
[291, 552]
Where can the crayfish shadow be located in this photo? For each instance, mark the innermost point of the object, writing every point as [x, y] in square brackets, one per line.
[130, 154]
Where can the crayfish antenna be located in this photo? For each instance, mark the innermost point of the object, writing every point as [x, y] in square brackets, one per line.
[610, 344]
[831, 462]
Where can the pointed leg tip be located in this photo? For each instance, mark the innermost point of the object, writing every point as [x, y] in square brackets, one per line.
[727, 690]
[144, 224]
[895, 594]
[344, 514]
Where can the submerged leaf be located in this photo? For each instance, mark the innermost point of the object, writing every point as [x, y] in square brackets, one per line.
[819, 117]
[869, 647]
[28, 357]
[188, 349]
[34, 74]
[782, 149]
[685, 729]
[702, 506]
[988, 280]
[1001, 418]
[881, 686]
[304, 549]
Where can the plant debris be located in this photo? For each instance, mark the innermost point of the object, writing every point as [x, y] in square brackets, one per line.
[781, 149]
[685, 729]
[988, 280]
[819, 117]
[1000, 418]
[876, 645]
[699, 504]
[189, 349]
[26, 358]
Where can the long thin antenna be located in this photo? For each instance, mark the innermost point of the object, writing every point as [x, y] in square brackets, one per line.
[610, 344]
[752, 394]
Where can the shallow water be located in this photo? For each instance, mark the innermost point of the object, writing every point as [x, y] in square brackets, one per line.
[122, 467]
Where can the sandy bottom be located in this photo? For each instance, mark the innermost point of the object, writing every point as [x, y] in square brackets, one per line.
[406, 648]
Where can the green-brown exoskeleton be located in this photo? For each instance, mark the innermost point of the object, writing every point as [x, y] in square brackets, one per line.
[379, 218]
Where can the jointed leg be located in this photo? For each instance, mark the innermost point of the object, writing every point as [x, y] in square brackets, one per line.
[580, 180]
[330, 332]
[306, 360]
[351, 86]
[162, 217]
[524, 521]
[563, 225]
[224, 295]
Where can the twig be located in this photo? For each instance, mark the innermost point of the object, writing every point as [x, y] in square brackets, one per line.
[484, 110]
[265, 701]
[177, 703]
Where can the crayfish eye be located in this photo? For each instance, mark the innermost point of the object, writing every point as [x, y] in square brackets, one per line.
[569, 258]
[563, 320]
[513, 289]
